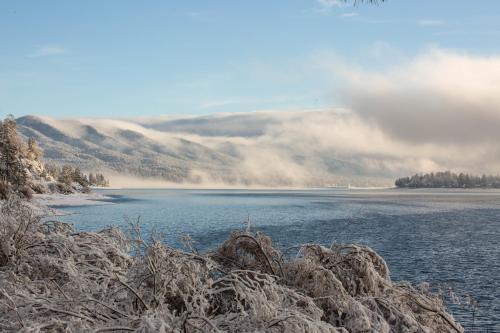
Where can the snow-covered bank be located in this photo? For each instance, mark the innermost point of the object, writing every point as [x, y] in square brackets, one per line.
[74, 199]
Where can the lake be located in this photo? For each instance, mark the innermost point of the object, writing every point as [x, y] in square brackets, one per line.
[444, 237]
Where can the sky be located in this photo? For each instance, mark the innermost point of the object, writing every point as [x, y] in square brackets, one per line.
[148, 58]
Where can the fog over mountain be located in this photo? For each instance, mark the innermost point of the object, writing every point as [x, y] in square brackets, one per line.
[313, 148]
[421, 115]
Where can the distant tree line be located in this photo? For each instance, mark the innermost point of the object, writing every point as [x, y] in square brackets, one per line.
[68, 175]
[448, 179]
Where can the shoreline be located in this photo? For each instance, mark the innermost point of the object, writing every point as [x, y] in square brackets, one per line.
[241, 188]
[56, 201]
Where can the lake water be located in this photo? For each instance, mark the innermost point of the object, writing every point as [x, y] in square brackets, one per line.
[449, 237]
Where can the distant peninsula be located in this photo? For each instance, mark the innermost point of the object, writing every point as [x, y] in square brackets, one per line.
[448, 179]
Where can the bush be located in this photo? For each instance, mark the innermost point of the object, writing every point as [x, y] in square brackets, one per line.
[26, 192]
[38, 188]
[64, 188]
[86, 189]
[58, 187]
[52, 187]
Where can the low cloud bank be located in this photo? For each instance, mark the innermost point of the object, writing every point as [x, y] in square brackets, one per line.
[439, 110]
[439, 97]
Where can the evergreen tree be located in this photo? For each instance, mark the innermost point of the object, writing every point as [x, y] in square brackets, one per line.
[66, 175]
[92, 179]
[11, 153]
[33, 152]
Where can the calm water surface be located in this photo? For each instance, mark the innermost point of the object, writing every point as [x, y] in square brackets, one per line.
[447, 237]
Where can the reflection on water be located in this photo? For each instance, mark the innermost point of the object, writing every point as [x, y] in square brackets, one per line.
[447, 237]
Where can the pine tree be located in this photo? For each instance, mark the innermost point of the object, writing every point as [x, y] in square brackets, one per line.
[11, 152]
[66, 175]
[92, 179]
[34, 152]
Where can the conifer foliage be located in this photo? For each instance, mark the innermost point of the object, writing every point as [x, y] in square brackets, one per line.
[12, 170]
[448, 179]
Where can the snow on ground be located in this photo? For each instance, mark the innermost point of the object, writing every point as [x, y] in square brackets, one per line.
[75, 199]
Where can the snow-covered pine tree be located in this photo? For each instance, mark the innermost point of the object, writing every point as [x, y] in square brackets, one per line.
[11, 152]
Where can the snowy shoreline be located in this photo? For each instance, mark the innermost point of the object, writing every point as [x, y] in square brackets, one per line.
[57, 200]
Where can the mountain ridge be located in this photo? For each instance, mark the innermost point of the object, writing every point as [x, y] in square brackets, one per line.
[247, 149]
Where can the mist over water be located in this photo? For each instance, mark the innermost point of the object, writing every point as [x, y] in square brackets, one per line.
[447, 237]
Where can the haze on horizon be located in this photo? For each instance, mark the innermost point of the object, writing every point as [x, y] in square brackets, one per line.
[399, 87]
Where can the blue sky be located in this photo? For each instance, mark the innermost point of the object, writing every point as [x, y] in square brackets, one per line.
[146, 58]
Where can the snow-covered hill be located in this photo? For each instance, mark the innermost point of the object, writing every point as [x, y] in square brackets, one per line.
[314, 148]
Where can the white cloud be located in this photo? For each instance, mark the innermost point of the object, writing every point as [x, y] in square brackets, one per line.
[331, 3]
[434, 111]
[346, 15]
[324, 7]
[438, 97]
[48, 50]
[430, 23]
[437, 110]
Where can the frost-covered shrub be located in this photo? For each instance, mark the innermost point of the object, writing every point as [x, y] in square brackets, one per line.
[38, 187]
[349, 283]
[57, 187]
[26, 192]
[53, 279]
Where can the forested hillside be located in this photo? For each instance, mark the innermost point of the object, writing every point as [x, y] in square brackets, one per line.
[23, 171]
[240, 149]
